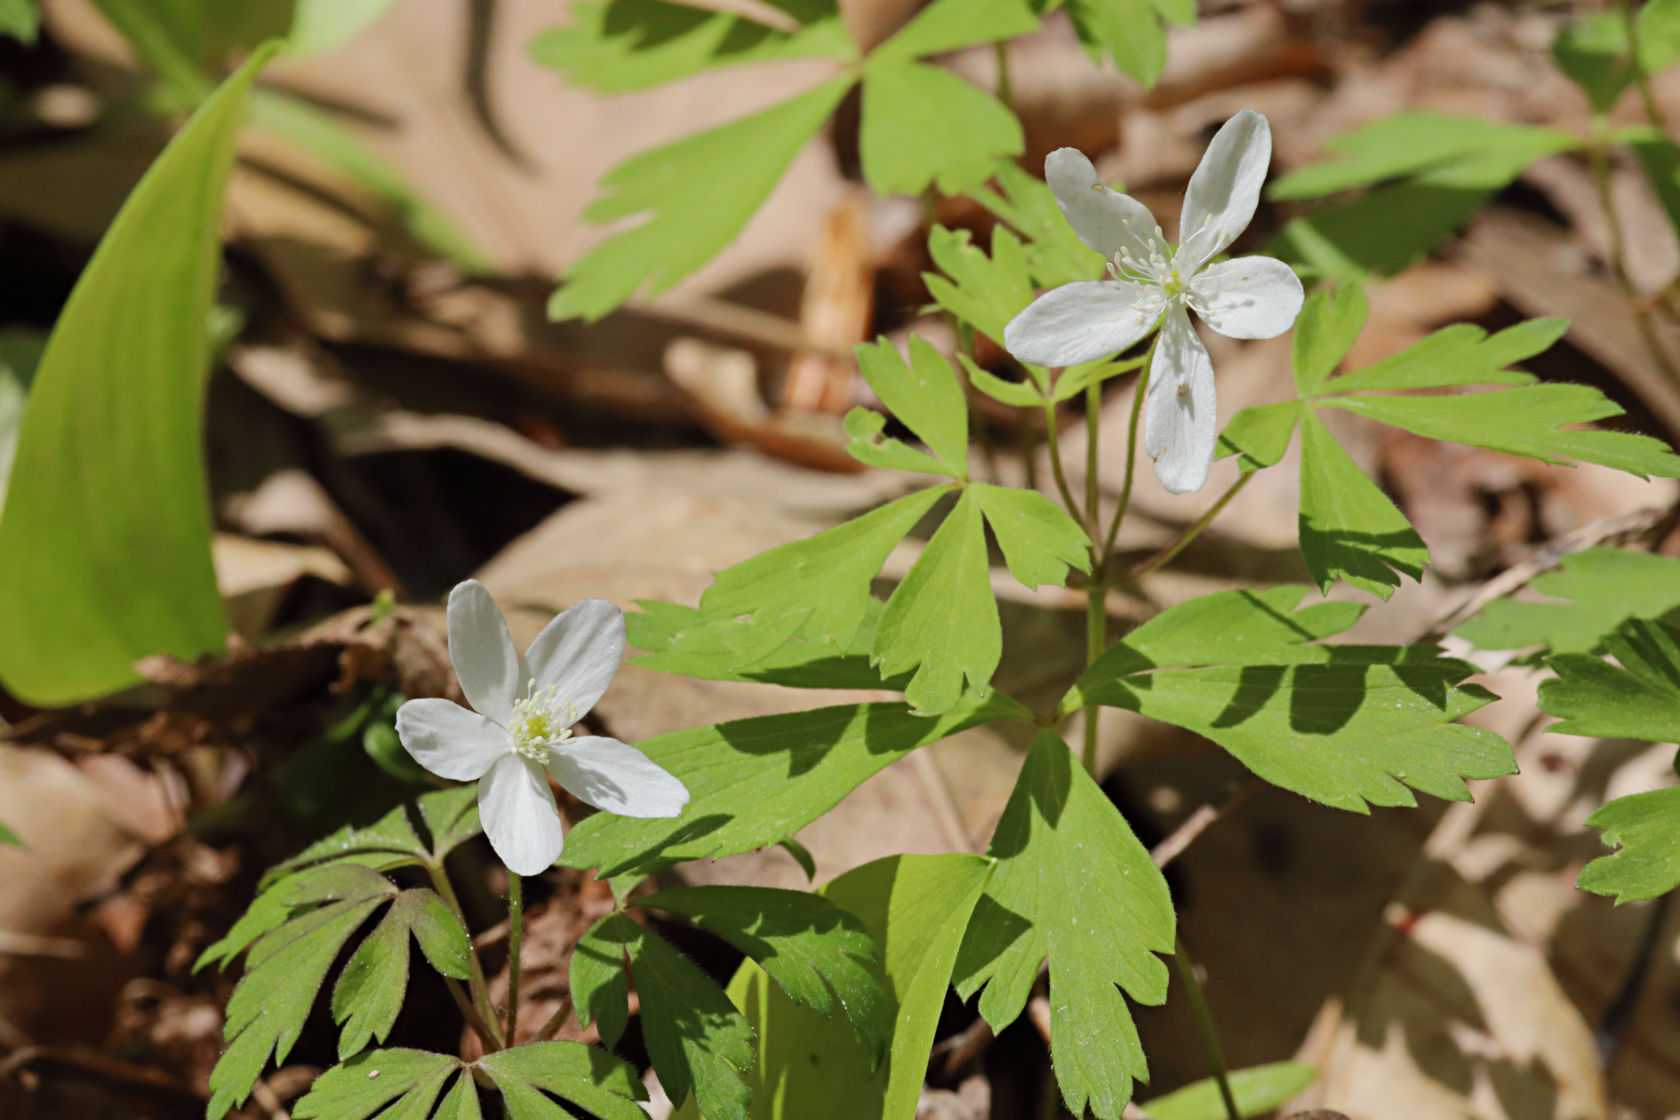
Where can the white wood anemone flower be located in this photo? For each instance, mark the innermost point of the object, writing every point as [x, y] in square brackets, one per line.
[519, 730]
[1151, 283]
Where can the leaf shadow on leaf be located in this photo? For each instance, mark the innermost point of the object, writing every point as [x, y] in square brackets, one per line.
[1373, 557]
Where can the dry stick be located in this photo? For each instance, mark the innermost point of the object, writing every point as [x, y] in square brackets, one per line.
[555, 1021]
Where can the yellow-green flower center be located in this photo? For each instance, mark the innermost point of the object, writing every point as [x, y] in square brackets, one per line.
[541, 722]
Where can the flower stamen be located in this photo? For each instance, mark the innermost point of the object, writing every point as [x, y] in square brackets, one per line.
[541, 723]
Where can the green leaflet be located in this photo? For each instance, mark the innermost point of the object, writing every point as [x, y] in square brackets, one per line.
[1438, 170]
[1349, 529]
[684, 226]
[924, 126]
[1129, 31]
[1637, 697]
[450, 817]
[696, 194]
[613, 46]
[1644, 826]
[1258, 1090]
[370, 990]
[924, 394]
[319, 26]
[1054, 253]
[1604, 586]
[1595, 54]
[817, 953]
[410, 1081]
[1345, 725]
[984, 291]
[666, 631]
[1072, 883]
[10, 838]
[1039, 541]
[1660, 157]
[810, 1065]
[752, 782]
[105, 552]
[942, 620]
[697, 1040]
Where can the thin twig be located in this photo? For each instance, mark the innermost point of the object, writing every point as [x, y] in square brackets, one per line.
[1131, 454]
[483, 1018]
[555, 1021]
[1096, 594]
[1166, 555]
[1205, 1028]
[1198, 822]
[516, 938]
[1053, 439]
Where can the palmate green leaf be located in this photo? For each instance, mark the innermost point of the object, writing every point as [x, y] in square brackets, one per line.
[105, 533]
[1345, 725]
[752, 782]
[924, 126]
[942, 621]
[411, 1081]
[691, 198]
[1326, 329]
[1073, 884]
[370, 990]
[1349, 530]
[285, 968]
[1646, 827]
[1038, 538]
[1603, 587]
[697, 1039]
[819, 955]
[1261, 434]
[450, 817]
[1438, 169]
[1258, 1090]
[811, 1066]
[983, 290]
[1636, 697]
[613, 46]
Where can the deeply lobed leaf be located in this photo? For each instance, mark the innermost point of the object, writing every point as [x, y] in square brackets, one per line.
[1644, 826]
[1594, 592]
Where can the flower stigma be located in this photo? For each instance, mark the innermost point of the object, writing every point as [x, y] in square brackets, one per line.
[542, 722]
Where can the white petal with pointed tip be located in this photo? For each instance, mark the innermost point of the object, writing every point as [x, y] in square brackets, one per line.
[1225, 190]
[449, 740]
[1104, 219]
[1083, 321]
[1180, 428]
[579, 652]
[517, 810]
[1247, 297]
[491, 674]
[617, 777]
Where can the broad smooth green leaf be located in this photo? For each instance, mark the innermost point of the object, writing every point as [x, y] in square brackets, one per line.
[362, 1086]
[942, 621]
[1073, 884]
[1443, 168]
[20, 354]
[588, 1077]
[1646, 827]
[369, 992]
[816, 589]
[1345, 725]
[1529, 420]
[1604, 588]
[752, 782]
[1349, 529]
[319, 26]
[924, 394]
[924, 126]
[1039, 541]
[285, 968]
[1637, 697]
[105, 549]
[21, 19]
[817, 953]
[810, 1065]
[613, 46]
[693, 197]
[697, 1039]
[1258, 1090]
[1325, 331]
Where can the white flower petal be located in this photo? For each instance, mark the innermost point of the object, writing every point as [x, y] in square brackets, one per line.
[1247, 297]
[449, 740]
[1225, 190]
[578, 653]
[1104, 219]
[1181, 412]
[1084, 321]
[491, 674]
[616, 777]
[519, 816]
